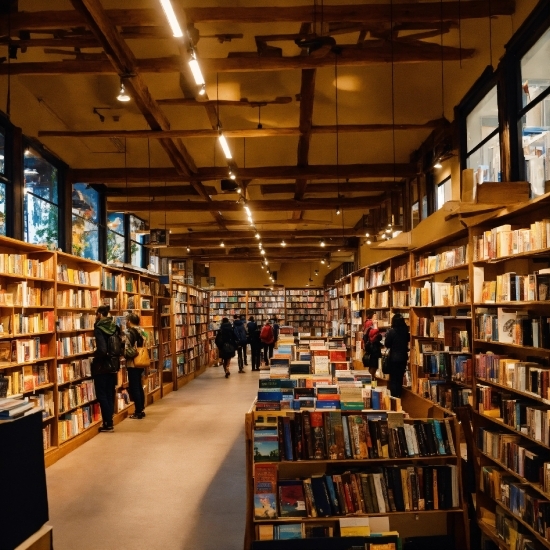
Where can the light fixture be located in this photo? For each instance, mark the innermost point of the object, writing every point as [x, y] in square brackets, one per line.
[232, 176]
[172, 19]
[239, 190]
[226, 150]
[247, 210]
[196, 70]
[262, 266]
[283, 243]
[322, 260]
[369, 241]
[367, 234]
[317, 273]
[338, 211]
[202, 90]
[260, 246]
[438, 164]
[222, 244]
[262, 251]
[122, 95]
[250, 220]
[257, 235]
[27, 152]
[188, 249]
[266, 262]
[328, 265]
[322, 242]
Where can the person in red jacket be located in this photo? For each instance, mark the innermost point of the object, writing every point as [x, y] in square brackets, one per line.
[267, 336]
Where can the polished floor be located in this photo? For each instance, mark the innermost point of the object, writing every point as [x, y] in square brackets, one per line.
[174, 480]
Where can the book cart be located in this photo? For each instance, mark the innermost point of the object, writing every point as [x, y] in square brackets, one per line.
[408, 523]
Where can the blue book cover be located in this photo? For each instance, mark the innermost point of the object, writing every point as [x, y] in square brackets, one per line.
[266, 446]
[375, 400]
[269, 395]
[438, 436]
[325, 404]
[287, 532]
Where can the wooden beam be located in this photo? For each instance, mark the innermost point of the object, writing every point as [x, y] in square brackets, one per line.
[380, 51]
[190, 102]
[353, 187]
[296, 235]
[236, 133]
[254, 252]
[156, 191]
[406, 12]
[312, 172]
[358, 203]
[274, 243]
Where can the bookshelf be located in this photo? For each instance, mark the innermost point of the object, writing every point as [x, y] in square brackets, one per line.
[179, 318]
[265, 304]
[306, 310]
[227, 303]
[165, 328]
[364, 477]
[331, 299]
[197, 338]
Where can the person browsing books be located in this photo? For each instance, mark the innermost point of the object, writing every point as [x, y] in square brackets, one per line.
[397, 341]
[103, 375]
[226, 344]
[243, 319]
[268, 341]
[255, 343]
[240, 338]
[135, 338]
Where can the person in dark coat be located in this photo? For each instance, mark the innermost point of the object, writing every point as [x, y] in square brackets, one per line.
[371, 344]
[397, 341]
[104, 382]
[255, 343]
[239, 328]
[243, 319]
[226, 343]
[135, 339]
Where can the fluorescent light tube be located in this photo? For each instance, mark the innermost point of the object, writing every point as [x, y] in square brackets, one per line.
[196, 70]
[225, 146]
[172, 19]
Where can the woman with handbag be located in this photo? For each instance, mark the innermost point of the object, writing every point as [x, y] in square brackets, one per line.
[137, 359]
[226, 343]
[397, 341]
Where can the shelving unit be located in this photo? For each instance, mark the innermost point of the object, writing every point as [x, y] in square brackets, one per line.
[266, 304]
[331, 299]
[227, 303]
[306, 309]
[197, 338]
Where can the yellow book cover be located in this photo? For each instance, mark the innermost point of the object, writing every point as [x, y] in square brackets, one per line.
[355, 527]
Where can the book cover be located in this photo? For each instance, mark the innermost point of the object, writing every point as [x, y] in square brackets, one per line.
[265, 490]
[318, 435]
[266, 445]
[292, 502]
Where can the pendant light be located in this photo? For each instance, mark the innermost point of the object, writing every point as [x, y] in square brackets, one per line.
[122, 94]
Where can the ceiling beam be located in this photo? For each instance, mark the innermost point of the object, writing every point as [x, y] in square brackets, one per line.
[406, 12]
[353, 187]
[243, 102]
[268, 244]
[244, 225]
[278, 234]
[358, 203]
[156, 191]
[377, 51]
[238, 133]
[317, 172]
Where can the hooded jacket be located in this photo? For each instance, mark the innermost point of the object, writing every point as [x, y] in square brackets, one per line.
[103, 328]
[240, 332]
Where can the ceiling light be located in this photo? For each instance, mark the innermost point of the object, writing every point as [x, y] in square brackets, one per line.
[172, 19]
[257, 235]
[122, 95]
[322, 242]
[27, 152]
[369, 241]
[239, 190]
[317, 272]
[247, 210]
[438, 164]
[262, 251]
[283, 243]
[262, 266]
[222, 244]
[328, 265]
[250, 220]
[196, 70]
[202, 90]
[338, 211]
[225, 147]
[188, 249]
[260, 246]
[367, 235]
[323, 261]
[265, 261]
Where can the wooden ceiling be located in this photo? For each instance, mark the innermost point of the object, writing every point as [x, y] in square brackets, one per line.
[322, 104]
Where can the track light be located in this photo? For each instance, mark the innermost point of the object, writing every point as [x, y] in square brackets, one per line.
[122, 95]
[257, 235]
[438, 164]
[317, 273]
[172, 19]
[367, 234]
[262, 266]
[323, 261]
[202, 90]
[196, 70]
[232, 176]
[328, 265]
[222, 244]
[239, 190]
[338, 211]
[262, 251]
[266, 262]
[247, 210]
[369, 240]
[283, 243]
[188, 249]
[225, 147]
[260, 246]
[322, 242]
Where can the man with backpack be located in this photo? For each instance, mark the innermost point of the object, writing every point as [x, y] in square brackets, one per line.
[105, 364]
[240, 337]
[267, 336]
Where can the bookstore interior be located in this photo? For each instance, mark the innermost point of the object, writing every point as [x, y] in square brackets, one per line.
[403, 175]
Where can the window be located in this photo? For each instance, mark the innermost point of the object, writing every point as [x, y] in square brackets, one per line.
[483, 140]
[415, 214]
[137, 235]
[116, 242]
[85, 205]
[41, 205]
[535, 119]
[443, 193]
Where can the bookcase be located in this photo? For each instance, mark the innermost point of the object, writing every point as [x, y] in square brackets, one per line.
[306, 309]
[393, 483]
[510, 261]
[179, 317]
[266, 304]
[197, 339]
[165, 341]
[227, 303]
[331, 299]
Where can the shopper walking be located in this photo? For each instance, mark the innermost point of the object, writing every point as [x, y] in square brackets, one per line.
[397, 341]
[135, 338]
[240, 339]
[243, 319]
[104, 369]
[275, 332]
[255, 343]
[226, 343]
[267, 338]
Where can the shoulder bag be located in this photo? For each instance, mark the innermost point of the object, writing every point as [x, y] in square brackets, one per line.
[142, 359]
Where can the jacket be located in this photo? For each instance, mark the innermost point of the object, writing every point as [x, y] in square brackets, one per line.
[103, 328]
[276, 332]
[254, 334]
[397, 340]
[371, 344]
[226, 335]
[240, 332]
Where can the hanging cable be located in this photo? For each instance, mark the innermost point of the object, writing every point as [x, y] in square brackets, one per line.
[392, 88]
[490, 34]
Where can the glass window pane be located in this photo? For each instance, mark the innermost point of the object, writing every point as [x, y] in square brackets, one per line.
[443, 193]
[482, 120]
[415, 214]
[41, 221]
[41, 178]
[2, 209]
[2, 151]
[115, 222]
[86, 202]
[486, 161]
[85, 238]
[137, 226]
[136, 250]
[535, 70]
[115, 247]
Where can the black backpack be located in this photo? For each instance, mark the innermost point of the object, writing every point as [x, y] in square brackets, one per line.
[115, 348]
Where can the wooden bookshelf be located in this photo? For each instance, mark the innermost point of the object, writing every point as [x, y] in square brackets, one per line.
[306, 310]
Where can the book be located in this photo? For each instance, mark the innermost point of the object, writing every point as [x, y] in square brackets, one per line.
[265, 491]
[291, 499]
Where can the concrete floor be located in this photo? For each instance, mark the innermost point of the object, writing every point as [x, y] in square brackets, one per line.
[174, 480]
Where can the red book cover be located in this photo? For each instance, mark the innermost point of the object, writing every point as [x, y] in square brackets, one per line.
[337, 355]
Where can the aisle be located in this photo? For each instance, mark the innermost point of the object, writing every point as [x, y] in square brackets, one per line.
[172, 481]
